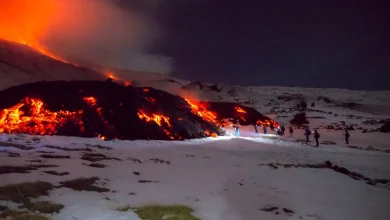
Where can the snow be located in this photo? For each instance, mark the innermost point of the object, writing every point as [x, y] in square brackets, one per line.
[219, 178]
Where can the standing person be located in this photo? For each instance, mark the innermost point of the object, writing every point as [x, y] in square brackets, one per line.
[271, 126]
[346, 134]
[282, 129]
[237, 131]
[291, 130]
[307, 134]
[316, 136]
[256, 128]
[265, 128]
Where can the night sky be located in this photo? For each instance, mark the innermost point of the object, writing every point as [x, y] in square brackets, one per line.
[310, 43]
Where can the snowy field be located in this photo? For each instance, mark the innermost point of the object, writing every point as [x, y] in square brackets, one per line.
[223, 178]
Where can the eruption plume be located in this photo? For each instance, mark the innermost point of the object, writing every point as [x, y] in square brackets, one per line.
[97, 32]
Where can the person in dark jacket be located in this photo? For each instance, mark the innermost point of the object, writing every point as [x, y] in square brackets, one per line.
[291, 130]
[271, 126]
[282, 129]
[307, 134]
[346, 134]
[265, 128]
[316, 136]
[256, 128]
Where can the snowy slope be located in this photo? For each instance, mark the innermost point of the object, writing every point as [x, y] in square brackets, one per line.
[20, 64]
[340, 106]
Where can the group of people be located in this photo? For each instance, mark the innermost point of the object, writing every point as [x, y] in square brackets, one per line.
[317, 136]
[281, 129]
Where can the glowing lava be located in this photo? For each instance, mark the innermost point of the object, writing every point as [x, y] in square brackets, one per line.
[110, 75]
[203, 112]
[30, 116]
[267, 123]
[239, 109]
[91, 101]
[158, 119]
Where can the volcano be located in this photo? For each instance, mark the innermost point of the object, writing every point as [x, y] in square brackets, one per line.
[109, 110]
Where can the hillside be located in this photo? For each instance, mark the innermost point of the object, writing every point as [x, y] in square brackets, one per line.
[82, 176]
[363, 110]
[20, 64]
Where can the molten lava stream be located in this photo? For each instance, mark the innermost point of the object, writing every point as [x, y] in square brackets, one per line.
[92, 102]
[158, 119]
[239, 109]
[203, 112]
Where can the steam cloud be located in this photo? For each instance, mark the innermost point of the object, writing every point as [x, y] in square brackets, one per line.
[102, 32]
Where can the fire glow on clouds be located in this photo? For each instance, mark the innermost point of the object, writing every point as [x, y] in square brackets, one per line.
[94, 32]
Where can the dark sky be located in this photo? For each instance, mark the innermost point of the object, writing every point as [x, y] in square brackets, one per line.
[311, 43]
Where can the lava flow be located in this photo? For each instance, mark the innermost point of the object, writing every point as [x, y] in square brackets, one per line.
[92, 102]
[110, 110]
[203, 112]
[30, 116]
[158, 119]
[239, 109]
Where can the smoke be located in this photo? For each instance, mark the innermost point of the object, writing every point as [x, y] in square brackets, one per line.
[99, 32]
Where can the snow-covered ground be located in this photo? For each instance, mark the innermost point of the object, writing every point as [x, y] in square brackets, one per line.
[220, 178]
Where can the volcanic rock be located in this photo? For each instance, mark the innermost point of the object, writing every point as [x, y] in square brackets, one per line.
[110, 110]
[105, 109]
[244, 115]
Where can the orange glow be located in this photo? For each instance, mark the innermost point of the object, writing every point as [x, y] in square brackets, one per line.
[110, 75]
[26, 21]
[214, 135]
[239, 109]
[158, 119]
[91, 101]
[128, 83]
[202, 112]
[267, 123]
[146, 90]
[30, 116]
